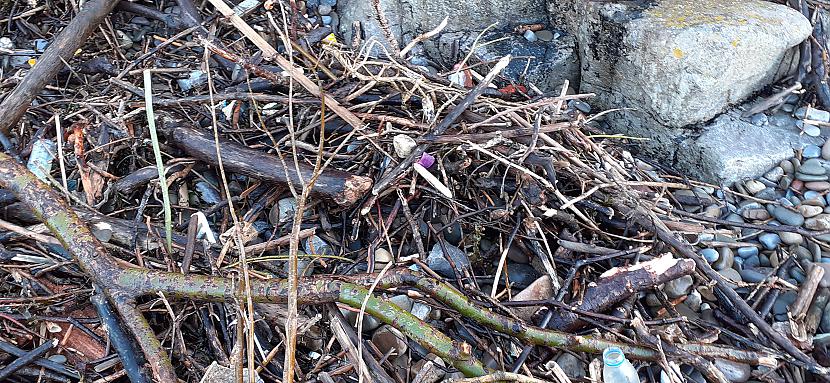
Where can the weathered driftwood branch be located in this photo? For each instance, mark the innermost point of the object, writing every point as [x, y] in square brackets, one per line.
[619, 284]
[343, 188]
[123, 285]
[61, 50]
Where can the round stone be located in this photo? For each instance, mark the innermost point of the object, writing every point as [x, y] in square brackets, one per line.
[382, 257]
[819, 222]
[811, 151]
[711, 255]
[759, 119]
[809, 177]
[693, 300]
[754, 186]
[678, 287]
[808, 211]
[788, 166]
[713, 211]
[752, 276]
[733, 371]
[726, 258]
[403, 145]
[798, 275]
[774, 174]
[530, 36]
[756, 214]
[544, 35]
[791, 238]
[818, 185]
[825, 150]
[783, 302]
[770, 240]
[582, 106]
[787, 216]
[812, 167]
[810, 195]
[731, 274]
[751, 262]
[315, 245]
[747, 251]
[324, 9]
[811, 130]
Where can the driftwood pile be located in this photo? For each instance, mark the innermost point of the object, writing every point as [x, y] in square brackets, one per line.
[294, 140]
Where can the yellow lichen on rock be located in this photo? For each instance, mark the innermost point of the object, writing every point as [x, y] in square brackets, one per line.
[690, 13]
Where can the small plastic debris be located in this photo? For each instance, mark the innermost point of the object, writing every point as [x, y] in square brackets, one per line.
[6, 43]
[40, 45]
[40, 161]
[510, 89]
[203, 229]
[427, 160]
[195, 79]
[245, 6]
[432, 180]
[330, 39]
[617, 368]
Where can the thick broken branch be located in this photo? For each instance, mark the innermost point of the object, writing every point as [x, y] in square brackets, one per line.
[618, 284]
[343, 188]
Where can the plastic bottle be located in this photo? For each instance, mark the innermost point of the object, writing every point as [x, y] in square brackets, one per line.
[617, 368]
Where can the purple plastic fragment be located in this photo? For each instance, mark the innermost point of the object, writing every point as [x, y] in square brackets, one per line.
[427, 160]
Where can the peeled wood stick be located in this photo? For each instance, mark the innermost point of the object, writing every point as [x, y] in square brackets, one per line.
[341, 187]
[60, 50]
[806, 292]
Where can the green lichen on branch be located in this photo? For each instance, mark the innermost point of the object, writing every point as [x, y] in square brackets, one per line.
[122, 285]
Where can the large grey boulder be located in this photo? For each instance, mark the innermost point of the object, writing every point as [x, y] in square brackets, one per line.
[680, 62]
[677, 65]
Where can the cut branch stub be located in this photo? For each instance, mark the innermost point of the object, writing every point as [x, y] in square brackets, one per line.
[618, 284]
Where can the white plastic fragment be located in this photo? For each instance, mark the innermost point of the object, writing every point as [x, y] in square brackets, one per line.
[245, 6]
[203, 229]
[195, 79]
[40, 161]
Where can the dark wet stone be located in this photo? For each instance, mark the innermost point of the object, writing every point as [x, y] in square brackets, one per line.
[787, 216]
[438, 263]
[747, 251]
[783, 302]
[752, 276]
[752, 262]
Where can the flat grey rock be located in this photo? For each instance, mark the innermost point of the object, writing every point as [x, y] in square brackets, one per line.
[730, 149]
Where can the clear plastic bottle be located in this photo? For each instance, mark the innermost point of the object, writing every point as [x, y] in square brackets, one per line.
[617, 368]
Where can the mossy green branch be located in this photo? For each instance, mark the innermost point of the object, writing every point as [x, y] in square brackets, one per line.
[123, 285]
